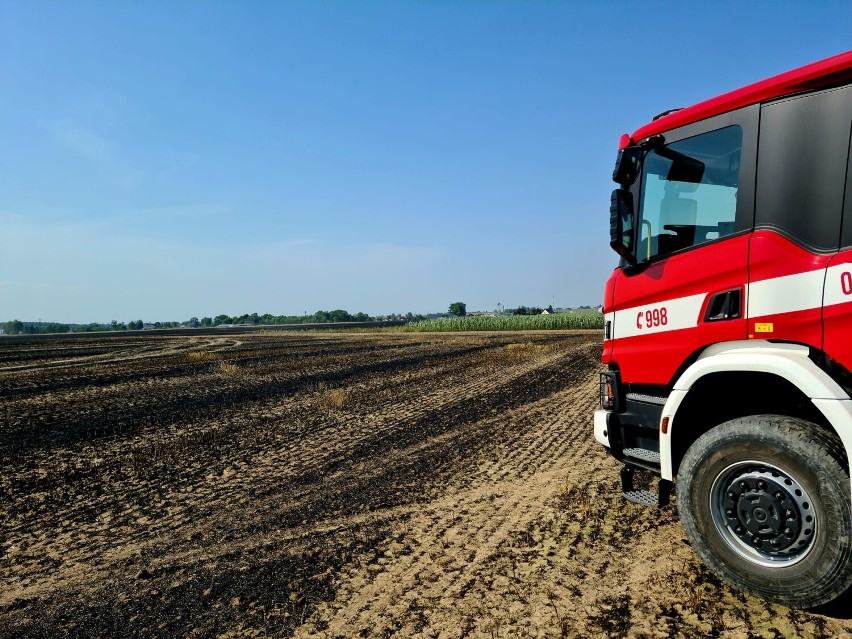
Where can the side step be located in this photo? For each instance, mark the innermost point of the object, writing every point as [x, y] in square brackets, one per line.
[644, 497]
[647, 456]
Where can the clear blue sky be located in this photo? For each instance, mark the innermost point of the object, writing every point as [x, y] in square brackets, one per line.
[160, 160]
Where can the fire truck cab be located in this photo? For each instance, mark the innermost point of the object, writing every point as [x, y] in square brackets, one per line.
[728, 328]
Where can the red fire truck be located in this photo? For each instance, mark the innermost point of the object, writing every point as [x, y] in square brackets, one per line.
[728, 328]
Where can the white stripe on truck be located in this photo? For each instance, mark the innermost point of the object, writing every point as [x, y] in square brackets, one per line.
[785, 294]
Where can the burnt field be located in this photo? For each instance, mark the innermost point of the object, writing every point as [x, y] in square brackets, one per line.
[335, 485]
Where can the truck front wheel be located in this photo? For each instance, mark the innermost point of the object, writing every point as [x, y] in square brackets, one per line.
[765, 503]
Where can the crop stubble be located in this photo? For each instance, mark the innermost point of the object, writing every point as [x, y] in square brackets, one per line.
[334, 485]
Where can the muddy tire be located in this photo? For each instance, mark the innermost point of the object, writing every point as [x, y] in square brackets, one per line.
[765, 504]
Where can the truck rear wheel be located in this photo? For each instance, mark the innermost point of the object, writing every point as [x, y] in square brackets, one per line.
[765, 502]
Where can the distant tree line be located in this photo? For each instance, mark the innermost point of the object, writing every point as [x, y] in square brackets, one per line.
[133, 325]
[320, 317]
[16, 327]
[532, 310]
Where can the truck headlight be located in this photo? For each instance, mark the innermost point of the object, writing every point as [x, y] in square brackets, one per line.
[609, 390]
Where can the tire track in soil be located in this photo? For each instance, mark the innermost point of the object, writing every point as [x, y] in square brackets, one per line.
[464, 459]
[73, 420]
[312, 468]
[415, 433]
[136, 351]
[459, 532]
[349, 431]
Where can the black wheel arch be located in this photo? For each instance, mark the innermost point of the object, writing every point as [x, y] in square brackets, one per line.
[720, 397]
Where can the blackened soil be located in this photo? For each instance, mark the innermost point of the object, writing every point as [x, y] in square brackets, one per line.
[183, 486]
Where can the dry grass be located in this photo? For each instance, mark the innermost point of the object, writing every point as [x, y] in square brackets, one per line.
[336, 398]
[228, 368]
[515, 353]
[330, 398]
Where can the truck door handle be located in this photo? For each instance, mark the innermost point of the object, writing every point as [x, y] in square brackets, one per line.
[724, 306]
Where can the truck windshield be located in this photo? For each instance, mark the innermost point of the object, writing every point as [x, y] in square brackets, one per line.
[675, 214]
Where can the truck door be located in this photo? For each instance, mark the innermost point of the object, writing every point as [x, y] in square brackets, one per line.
[694, 214]
[798, 281]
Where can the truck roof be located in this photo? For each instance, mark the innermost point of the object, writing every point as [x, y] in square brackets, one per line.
[831, 71]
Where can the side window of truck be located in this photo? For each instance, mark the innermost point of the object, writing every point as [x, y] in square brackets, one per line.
[689, 192]
[801, 175]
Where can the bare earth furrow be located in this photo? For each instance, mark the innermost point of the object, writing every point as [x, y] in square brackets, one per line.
[281, 458]
[462, 530]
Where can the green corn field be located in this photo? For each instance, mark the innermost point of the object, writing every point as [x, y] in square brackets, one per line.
[558, 321]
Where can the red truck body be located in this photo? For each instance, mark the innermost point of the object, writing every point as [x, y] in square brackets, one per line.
[729, 320]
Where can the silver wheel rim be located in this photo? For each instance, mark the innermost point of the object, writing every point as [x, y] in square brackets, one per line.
[763, 513]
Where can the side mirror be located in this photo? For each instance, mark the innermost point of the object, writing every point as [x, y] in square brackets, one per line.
[627, 165]
[621, 224]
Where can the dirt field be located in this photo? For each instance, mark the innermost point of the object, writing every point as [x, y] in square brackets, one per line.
[335, 485]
